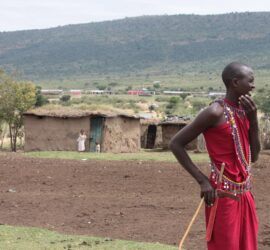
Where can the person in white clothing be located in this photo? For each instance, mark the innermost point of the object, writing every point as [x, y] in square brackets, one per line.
[81, 141]
[97, 147]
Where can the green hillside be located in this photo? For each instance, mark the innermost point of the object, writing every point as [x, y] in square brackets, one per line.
[161, 45]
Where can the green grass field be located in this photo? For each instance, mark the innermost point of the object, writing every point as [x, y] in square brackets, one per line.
[25, 238]
[185, 80]
[141, 156]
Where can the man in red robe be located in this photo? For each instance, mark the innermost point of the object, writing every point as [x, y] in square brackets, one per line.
[230, 128]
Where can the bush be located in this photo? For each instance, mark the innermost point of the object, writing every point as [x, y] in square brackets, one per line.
[65, 98]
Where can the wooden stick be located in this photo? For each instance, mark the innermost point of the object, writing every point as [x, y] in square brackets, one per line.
[190, 224]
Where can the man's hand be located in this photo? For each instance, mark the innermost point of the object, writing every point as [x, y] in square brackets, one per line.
[249, 106]
[251, 111]
[208, 192]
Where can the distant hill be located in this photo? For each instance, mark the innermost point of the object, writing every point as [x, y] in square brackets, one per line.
[161, 44]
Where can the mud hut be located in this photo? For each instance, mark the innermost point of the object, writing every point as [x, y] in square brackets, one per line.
[265, 132]
[151, 134]
[170, 127]
[47, 130]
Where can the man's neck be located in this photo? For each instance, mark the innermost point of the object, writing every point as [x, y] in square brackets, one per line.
[232, 97]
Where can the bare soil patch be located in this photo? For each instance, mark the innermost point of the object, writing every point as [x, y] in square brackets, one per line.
[134, 200]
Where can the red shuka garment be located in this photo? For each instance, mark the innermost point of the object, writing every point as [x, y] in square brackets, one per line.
[236, 224]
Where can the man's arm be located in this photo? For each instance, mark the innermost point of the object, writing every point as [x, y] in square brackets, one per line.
[251, 111]
[209, 117]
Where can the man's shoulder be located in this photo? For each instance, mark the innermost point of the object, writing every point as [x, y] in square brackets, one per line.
[214, 110]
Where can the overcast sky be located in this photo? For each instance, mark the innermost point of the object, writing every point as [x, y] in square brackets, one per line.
[38, 14]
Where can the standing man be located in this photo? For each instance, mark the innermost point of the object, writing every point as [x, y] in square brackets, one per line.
[230, 128]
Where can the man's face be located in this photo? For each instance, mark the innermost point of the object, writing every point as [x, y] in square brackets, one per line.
[246, 84]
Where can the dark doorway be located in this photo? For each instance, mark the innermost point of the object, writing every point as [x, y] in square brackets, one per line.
[96, 127]
[151, 136]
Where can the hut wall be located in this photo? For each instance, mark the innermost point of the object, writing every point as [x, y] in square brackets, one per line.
[144, 130]
[169, 130]
[51, 133]
[265, 133]
[121, 135]
[158, 142]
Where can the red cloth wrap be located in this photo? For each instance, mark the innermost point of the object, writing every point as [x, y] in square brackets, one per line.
[236, 224]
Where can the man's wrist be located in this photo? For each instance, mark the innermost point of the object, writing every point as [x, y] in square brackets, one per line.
[203, 179]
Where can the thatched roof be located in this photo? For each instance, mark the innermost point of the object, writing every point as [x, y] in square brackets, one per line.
[176, 120]
[173, 123]
[67, 112]
[151, 121]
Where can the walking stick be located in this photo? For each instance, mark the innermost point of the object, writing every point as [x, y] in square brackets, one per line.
[190, 224]
[219, 194]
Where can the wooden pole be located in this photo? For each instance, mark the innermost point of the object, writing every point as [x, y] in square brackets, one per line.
[190, 224]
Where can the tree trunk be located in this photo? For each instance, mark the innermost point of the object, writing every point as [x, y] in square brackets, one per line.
[10, 135]
[13, 137]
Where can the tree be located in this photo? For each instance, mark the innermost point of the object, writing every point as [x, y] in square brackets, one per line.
[129, 87]
[40, 99]
[65, 98]
[15, 99]
[172, 105]
[113, 84]
[101, 86]
[184, 95]
[152, 107]
[156, 86]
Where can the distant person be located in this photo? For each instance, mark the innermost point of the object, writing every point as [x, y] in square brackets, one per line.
[230, 128]
[97, 147]
[81, 141]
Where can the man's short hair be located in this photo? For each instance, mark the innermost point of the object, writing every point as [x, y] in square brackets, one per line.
[233, 70]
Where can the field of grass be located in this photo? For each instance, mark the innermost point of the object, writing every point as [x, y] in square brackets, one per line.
[147, 155]
[182, 80]
[23, 238]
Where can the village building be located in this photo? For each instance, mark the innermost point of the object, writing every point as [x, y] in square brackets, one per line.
[176, 93]
[170, 127]
[98, 92]
[75, 93]
[141, 92]
[58, 130]
[151, 134]
[51, 91]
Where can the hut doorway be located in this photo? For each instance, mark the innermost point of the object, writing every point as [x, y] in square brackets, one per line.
[151, 136]
[96, 128]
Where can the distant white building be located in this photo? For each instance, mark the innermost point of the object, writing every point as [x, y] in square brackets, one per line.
[172, 92]
[216, 94]
[98, 92]
[51, 91]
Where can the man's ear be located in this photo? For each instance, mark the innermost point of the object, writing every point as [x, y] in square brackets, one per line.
[234, 82]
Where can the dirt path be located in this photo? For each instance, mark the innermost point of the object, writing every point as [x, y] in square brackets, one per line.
[141, 201]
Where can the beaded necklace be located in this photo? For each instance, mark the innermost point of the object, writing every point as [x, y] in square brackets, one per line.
[230, 112]
[236, 187]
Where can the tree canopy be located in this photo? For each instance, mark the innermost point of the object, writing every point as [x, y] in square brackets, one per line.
[15, 99]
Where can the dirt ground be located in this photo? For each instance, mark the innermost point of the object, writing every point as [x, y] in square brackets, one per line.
[134, 200]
